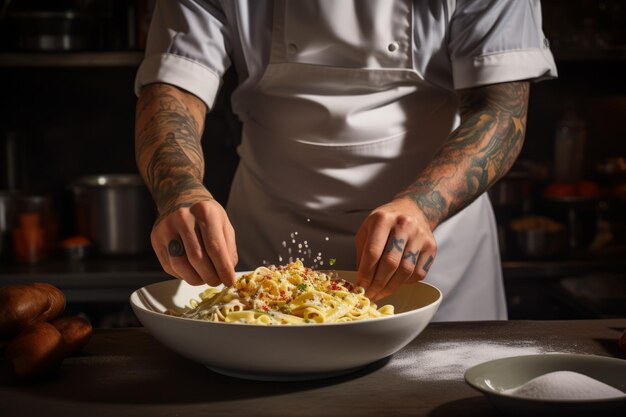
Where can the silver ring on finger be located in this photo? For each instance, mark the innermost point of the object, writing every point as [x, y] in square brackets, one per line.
[175, 248]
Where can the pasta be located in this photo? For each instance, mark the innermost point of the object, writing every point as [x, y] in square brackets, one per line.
[289, 294]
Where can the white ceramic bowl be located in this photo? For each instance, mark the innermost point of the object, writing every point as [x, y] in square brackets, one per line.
[285, 352]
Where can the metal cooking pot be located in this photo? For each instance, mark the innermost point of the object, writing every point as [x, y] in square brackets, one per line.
[538, 244]
[115, 212]
[515, 188]
[42, 30]
[538, 236]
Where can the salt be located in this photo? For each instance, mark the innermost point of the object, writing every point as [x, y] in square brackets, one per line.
[298, 245]
[565, 385]
[449, 360]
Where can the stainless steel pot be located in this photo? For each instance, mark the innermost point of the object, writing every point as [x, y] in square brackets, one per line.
[538, 244]
[538, 237]
[514, 189]
[115, 212]
[69, 30]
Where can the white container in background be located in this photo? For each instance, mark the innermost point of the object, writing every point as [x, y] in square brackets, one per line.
[569, 148]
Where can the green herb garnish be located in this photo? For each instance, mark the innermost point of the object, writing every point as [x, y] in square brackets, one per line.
[301, 287]
[332, 261]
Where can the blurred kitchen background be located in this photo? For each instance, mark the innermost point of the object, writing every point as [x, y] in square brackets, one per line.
[73, 212]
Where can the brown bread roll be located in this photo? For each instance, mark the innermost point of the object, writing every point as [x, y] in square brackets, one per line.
[75, 331]
[37, 350]
[23, 305]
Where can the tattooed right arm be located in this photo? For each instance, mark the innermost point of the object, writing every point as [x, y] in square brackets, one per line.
[167, 146]
[168, 129]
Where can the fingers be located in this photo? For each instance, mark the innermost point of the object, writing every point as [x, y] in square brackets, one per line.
[229, 233]
[198, 257]
[371, 241]
[179, 251]
[405, 269]
[197, 245]
[183, 269]
[216, 248]
[388, 264]
[424, 263]
[161, 253]
[392, 251]
[413, 267]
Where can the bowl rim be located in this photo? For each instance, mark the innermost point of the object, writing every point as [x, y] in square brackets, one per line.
[137, 293]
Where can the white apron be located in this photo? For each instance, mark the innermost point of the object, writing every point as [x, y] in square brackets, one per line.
[340, 123]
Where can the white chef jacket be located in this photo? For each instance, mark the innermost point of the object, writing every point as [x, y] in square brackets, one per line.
[343, 104]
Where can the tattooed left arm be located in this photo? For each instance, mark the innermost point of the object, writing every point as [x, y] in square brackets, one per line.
[395, 243]
[479, 152]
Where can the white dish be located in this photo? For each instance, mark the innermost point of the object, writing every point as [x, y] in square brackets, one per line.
[494, 377]
[285, 352]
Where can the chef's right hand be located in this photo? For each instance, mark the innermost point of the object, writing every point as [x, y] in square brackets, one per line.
[196, 243]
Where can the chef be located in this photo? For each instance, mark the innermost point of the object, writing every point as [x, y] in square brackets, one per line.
[372, 130]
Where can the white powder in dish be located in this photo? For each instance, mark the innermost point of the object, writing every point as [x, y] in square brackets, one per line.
[450, 360]
[565, 385]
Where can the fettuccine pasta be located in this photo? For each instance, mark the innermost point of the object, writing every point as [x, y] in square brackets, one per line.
[289, 294]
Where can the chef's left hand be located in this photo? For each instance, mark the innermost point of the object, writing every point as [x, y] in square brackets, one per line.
[395, 245]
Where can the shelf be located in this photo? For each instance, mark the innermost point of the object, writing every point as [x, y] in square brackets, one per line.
[71, 59]
[92, 280]
[551, 269]
[107, 271]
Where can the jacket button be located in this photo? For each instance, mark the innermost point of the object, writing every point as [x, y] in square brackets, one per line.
[393, 47]
[292, 48]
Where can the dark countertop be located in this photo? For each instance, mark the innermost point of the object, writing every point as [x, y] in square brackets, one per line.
[125, 372]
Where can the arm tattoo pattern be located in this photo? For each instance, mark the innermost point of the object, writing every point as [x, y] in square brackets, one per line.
[168, 149]
[479, 152]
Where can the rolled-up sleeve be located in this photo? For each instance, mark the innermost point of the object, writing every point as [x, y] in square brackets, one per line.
[495, 41]
[188, 47]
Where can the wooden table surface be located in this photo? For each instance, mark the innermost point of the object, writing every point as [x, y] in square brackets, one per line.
[126, 372]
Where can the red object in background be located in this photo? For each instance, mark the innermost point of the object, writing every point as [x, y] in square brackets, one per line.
[76, 240]
[76, 247]
[587, 189]
[29, 239]
[560, 189]
[582, 188]
[36, 228]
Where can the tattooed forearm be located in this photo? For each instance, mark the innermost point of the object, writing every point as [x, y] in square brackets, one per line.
[480, 151]
[167, 146]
